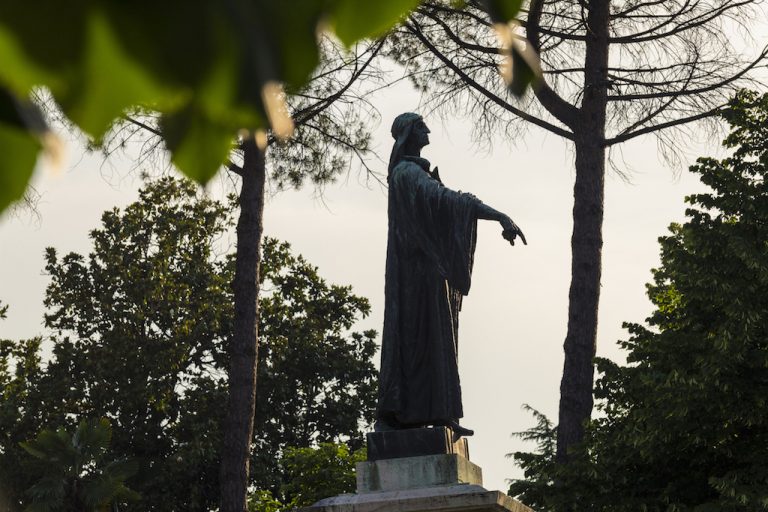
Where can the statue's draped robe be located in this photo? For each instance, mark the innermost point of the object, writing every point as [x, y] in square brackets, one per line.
[430, 249]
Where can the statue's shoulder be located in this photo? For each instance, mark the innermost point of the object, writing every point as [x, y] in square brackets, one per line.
[405, 167]
[411, 168]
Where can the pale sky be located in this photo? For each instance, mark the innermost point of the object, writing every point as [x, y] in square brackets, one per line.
[514, 319]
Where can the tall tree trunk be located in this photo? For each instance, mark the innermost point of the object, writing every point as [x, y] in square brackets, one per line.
[243, 350]
[584, 295]
[587, 239]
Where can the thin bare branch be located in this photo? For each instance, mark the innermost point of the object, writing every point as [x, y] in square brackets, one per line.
[663, 126]
[414, 28]
[555, 105]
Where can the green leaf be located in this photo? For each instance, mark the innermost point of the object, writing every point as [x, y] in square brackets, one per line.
[40, 50]
[21, 124]
[26, 73]
[112, 82]
[524, 72]
[122, 469]
[92, 437]
[353, 20]
[198, 145]
[289, 43]
[502, 11]
[101, 491]
[18, 154]
[30, 448]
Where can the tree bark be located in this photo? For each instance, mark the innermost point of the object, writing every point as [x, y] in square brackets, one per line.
[243, 349]
[587, 239]
[586, 247]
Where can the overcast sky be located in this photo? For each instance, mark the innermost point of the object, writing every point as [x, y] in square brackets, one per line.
[514, 321]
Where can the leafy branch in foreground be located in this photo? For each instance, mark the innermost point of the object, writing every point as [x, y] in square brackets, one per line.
[212, 69]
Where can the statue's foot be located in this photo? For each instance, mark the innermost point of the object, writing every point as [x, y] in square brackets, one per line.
[459, 431]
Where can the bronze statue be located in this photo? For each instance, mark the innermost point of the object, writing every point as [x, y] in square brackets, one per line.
[430, 248]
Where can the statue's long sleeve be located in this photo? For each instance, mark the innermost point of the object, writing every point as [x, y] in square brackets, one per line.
[440, 221]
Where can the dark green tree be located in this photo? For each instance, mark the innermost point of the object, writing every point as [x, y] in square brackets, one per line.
[20, 367]
[75, 474]
[138, 333]
[140, 329]
[317, 473]
[685, 422]
[311, 474]
[317, 383]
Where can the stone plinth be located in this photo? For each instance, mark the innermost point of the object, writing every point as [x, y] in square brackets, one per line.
[416, 472]
[455, 498]
[413, 442]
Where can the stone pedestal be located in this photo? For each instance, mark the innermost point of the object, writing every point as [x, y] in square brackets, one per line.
[415, 473]
[451, 498]
[418, 470]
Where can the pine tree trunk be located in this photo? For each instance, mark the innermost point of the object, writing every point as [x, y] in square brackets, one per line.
[584, 295]
[587, 239]
[243, 350]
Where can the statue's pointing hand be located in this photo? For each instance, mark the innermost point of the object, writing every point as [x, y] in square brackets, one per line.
[511, 231]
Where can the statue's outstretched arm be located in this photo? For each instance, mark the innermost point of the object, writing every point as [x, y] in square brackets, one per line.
[511, 230]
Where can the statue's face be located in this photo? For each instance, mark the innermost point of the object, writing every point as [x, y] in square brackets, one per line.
[420, 133]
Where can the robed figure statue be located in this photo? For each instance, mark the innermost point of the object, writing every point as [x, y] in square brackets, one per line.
[430, 248]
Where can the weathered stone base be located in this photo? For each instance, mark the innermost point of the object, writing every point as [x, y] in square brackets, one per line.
[454, 498]
[416, 472]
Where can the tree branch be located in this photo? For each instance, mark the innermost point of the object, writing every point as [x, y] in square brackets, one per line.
[233, 167]
[650, 116]
[352, 148]
[461, 12]
[549, 99]
[306, 114]
[456, 39]
[663, 126]
[703, 19]
[636, 7]
[690, 92]
[413, 26]
[151, 129]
